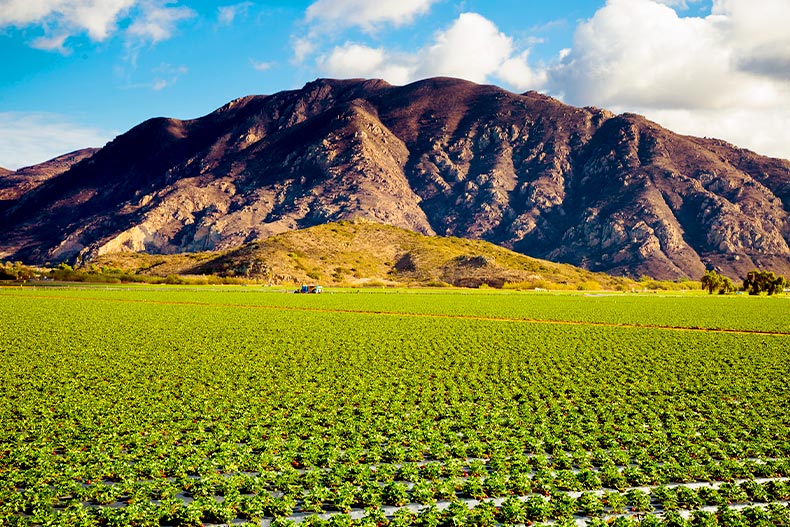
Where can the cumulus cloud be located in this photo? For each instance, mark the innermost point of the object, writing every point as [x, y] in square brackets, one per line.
[366, 14]
[758, 35]
[152, 20]
[472, 47]
[30, 138]
[356, 60]
[640, 52]
[763, 130]
[516, 73]
[726, 74]
[95, 17]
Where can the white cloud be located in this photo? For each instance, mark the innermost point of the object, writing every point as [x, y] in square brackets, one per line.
[30, 138]
[158, 21]
[303, 47]
[763, 130]
[152, 20]
[680, 4]
[163, 76]
[52, 43]
[227, 14]
[96, 17]
[356, 60]
[366, 14]
[166, 75]
[724, 75]
[327, 17]
[262, 66]
[758, 34]
[517, 73]
[472, 48]
[639, 52]
[351, 60]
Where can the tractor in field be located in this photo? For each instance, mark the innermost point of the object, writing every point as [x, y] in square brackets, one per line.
[310, 289]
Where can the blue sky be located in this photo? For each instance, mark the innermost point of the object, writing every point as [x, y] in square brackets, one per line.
[75, 73]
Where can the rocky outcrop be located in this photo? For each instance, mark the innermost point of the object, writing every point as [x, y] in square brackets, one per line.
[442, 156]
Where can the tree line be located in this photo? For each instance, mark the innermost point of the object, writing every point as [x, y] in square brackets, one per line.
[756, 282]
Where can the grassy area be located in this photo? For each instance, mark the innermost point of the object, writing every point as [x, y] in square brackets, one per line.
[370, 254]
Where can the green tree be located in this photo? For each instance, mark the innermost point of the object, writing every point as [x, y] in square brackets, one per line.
[757, 282]
[726, 286]
[711, 281]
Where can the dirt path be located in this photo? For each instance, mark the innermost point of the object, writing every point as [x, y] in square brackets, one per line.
[440, 316]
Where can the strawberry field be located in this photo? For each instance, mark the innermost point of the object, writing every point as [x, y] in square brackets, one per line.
[434, 409]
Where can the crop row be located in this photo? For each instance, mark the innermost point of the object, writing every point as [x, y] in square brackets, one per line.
[675, 505]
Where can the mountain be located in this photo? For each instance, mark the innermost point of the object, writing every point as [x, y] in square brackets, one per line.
[364, 253]
[614, 193]
[15, 184]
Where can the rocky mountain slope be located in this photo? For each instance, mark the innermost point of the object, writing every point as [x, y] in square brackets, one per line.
[442, 156]
[15, 184]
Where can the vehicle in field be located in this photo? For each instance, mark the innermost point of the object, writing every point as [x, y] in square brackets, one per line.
[310, 289]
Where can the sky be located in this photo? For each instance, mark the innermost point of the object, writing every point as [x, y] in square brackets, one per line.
[77, 73]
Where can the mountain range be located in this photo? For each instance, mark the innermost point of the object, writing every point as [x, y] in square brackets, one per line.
[606, 192]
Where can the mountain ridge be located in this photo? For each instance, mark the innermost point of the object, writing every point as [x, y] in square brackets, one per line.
[614, 193]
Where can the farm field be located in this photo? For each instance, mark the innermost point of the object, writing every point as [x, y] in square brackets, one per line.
[689, 310]
[189, 406]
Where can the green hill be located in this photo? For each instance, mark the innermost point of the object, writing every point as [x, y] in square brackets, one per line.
[362, 253]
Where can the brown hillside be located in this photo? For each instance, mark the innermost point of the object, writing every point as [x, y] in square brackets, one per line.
[363, 253]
